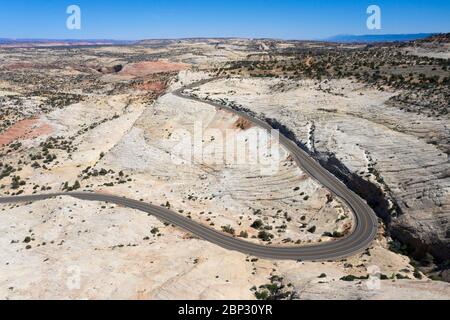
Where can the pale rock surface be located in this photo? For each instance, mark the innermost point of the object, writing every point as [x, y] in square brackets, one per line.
[352, 121]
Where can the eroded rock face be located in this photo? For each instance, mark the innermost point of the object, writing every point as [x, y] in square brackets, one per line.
[217, 186]
[381, 151]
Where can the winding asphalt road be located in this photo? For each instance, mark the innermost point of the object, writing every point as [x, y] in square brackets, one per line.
[364, 232]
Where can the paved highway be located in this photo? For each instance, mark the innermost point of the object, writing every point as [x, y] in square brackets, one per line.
[364, 231]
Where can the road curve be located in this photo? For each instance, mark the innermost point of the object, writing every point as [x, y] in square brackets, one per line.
[364, 232]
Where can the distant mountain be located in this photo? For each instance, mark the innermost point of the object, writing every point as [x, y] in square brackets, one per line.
[378, 38]
[7, 42]
[436, 38]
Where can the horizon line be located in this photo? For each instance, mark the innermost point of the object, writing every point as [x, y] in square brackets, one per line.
[221, 37]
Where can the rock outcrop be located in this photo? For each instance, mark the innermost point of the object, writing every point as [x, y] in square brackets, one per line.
[382, 153]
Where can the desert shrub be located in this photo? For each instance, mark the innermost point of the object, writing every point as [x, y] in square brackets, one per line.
[228, 229]
[353, 278]
[265, 236]
[243, 234]
[257, 224]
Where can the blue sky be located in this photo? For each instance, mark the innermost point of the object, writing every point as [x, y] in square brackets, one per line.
[286, 19]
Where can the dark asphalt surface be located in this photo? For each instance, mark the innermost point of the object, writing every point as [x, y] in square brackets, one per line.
[364, 232]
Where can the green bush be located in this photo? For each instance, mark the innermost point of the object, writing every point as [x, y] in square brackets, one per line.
[243, 234]
[265, 236]
[228, 229]
[353, 278]
[257, 224]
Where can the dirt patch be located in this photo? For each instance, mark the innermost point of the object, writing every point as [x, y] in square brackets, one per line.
[25, 129]
[309, 61]
[243, 124]
[145, 68]
[156, 87]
